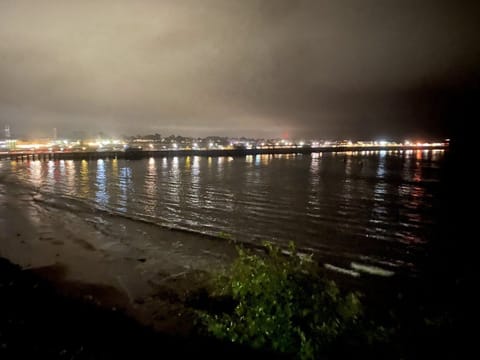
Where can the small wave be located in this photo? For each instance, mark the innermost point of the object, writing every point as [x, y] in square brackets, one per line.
[372, 270]
[59, 202]
[341, 270]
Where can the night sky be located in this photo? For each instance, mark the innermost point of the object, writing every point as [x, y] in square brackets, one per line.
[327, 69]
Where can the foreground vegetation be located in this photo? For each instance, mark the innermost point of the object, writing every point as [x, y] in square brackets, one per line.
[281, 303]
[267, 304]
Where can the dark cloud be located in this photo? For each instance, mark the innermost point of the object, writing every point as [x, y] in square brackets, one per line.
[320, 68]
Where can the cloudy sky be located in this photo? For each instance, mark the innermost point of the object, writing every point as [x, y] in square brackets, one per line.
[343, 68]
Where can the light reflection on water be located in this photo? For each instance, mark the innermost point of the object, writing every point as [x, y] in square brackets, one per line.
[124, 182]
[71, 176]
[151, 188]
[62, 167]
[101, 195]
[35, 168]
[84, 180]
[195, 181]
[374, 204]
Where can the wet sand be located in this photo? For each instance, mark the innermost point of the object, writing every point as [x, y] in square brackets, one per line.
[141, 269]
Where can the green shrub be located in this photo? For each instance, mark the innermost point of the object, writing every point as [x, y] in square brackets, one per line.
[281, 303]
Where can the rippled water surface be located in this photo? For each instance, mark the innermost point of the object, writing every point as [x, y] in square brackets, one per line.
[378, 207]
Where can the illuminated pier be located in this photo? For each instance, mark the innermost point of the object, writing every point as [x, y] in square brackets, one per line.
[141, 153]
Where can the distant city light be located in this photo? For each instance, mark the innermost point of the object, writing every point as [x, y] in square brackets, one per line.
[150, 142]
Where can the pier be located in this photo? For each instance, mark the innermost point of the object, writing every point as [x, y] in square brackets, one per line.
[141, 154]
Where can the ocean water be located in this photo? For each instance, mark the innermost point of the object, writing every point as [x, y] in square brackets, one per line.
[375, 209]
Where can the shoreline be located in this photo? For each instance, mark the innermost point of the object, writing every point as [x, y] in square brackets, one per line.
[145, 270]
[67, 293]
